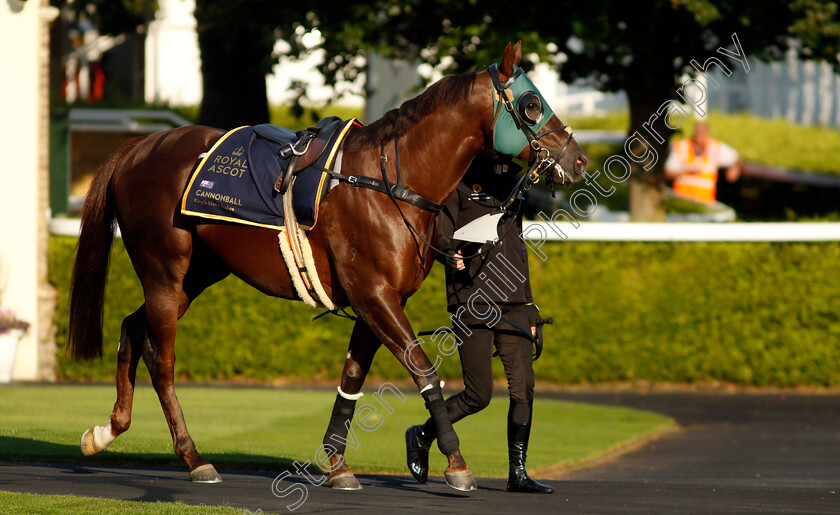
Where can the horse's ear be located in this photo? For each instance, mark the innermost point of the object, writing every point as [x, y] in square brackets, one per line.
[513, 54]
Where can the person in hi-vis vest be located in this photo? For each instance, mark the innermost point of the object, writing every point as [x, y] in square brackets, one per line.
[694, 162]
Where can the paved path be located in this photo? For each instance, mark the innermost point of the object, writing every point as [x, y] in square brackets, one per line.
[735, 454]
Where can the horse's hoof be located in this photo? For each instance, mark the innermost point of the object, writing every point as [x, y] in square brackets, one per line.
[205, 474]
[89, 447]
[345, 482]
[462, 480]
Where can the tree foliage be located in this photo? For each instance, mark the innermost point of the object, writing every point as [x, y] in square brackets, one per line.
[642, 48]
[646, 50]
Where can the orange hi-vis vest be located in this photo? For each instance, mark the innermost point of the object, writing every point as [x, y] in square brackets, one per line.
[701, 185]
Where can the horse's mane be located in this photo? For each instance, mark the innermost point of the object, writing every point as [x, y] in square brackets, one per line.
[396, 122]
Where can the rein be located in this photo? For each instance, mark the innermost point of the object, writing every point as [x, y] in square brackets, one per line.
[414, 232]
[393, 191]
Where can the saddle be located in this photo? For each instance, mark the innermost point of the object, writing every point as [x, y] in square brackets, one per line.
[299, 149]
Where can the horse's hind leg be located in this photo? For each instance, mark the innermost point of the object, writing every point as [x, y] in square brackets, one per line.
[165, 304]
[132, 338]
[150, 332]
[363, 346]
[159, 356]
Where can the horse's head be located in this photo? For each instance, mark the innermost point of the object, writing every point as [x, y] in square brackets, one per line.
[525, 127]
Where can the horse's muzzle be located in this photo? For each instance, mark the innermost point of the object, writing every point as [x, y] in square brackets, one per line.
[569, 169]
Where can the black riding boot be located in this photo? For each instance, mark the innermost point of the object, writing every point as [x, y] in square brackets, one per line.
[518, 480]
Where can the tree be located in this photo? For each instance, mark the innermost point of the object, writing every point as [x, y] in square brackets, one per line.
[236, 41]
[455, 36]
[645, 51]
[641, 48]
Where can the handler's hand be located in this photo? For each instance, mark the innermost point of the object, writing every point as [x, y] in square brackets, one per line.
[459, 260]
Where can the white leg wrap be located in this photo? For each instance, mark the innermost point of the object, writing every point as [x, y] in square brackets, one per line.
[350, 396]
[103, 436]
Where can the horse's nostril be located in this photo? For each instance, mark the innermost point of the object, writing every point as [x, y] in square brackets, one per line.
[582, 161]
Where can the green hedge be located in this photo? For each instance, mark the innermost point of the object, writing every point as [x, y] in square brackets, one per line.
[748, 313]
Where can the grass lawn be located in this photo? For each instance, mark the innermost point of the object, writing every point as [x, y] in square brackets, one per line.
[772, 142]
[264, 428]
[23, 504]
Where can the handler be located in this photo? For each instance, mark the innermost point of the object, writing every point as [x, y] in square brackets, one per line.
[497, 279]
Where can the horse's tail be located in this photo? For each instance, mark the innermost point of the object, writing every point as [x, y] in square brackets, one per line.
[87, 286]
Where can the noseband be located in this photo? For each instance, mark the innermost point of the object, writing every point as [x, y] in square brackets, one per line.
[542, 159]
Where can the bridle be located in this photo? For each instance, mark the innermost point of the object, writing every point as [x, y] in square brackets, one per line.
[542, 159]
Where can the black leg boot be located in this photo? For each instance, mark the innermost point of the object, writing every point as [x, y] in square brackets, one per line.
[418, 441]
[518, 480]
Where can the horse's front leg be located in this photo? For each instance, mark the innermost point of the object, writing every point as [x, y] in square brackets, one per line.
[383, 313]
[363, 346]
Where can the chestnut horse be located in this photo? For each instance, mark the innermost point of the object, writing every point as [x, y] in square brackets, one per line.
[176, 257]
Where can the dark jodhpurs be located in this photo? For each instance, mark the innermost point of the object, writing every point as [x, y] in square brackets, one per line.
[516, 352]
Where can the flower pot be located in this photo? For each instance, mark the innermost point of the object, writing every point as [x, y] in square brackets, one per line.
[8, 349]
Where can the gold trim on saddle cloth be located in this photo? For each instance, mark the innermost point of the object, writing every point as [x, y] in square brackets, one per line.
[324, 182]
[328, 165]
[207, 155]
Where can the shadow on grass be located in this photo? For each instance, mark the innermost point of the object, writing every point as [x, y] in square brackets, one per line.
[30, 450]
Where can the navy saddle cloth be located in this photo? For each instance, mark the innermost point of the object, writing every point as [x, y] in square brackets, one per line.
[235, 180]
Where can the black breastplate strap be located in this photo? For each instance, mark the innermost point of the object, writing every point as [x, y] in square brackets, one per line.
[399, 192]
